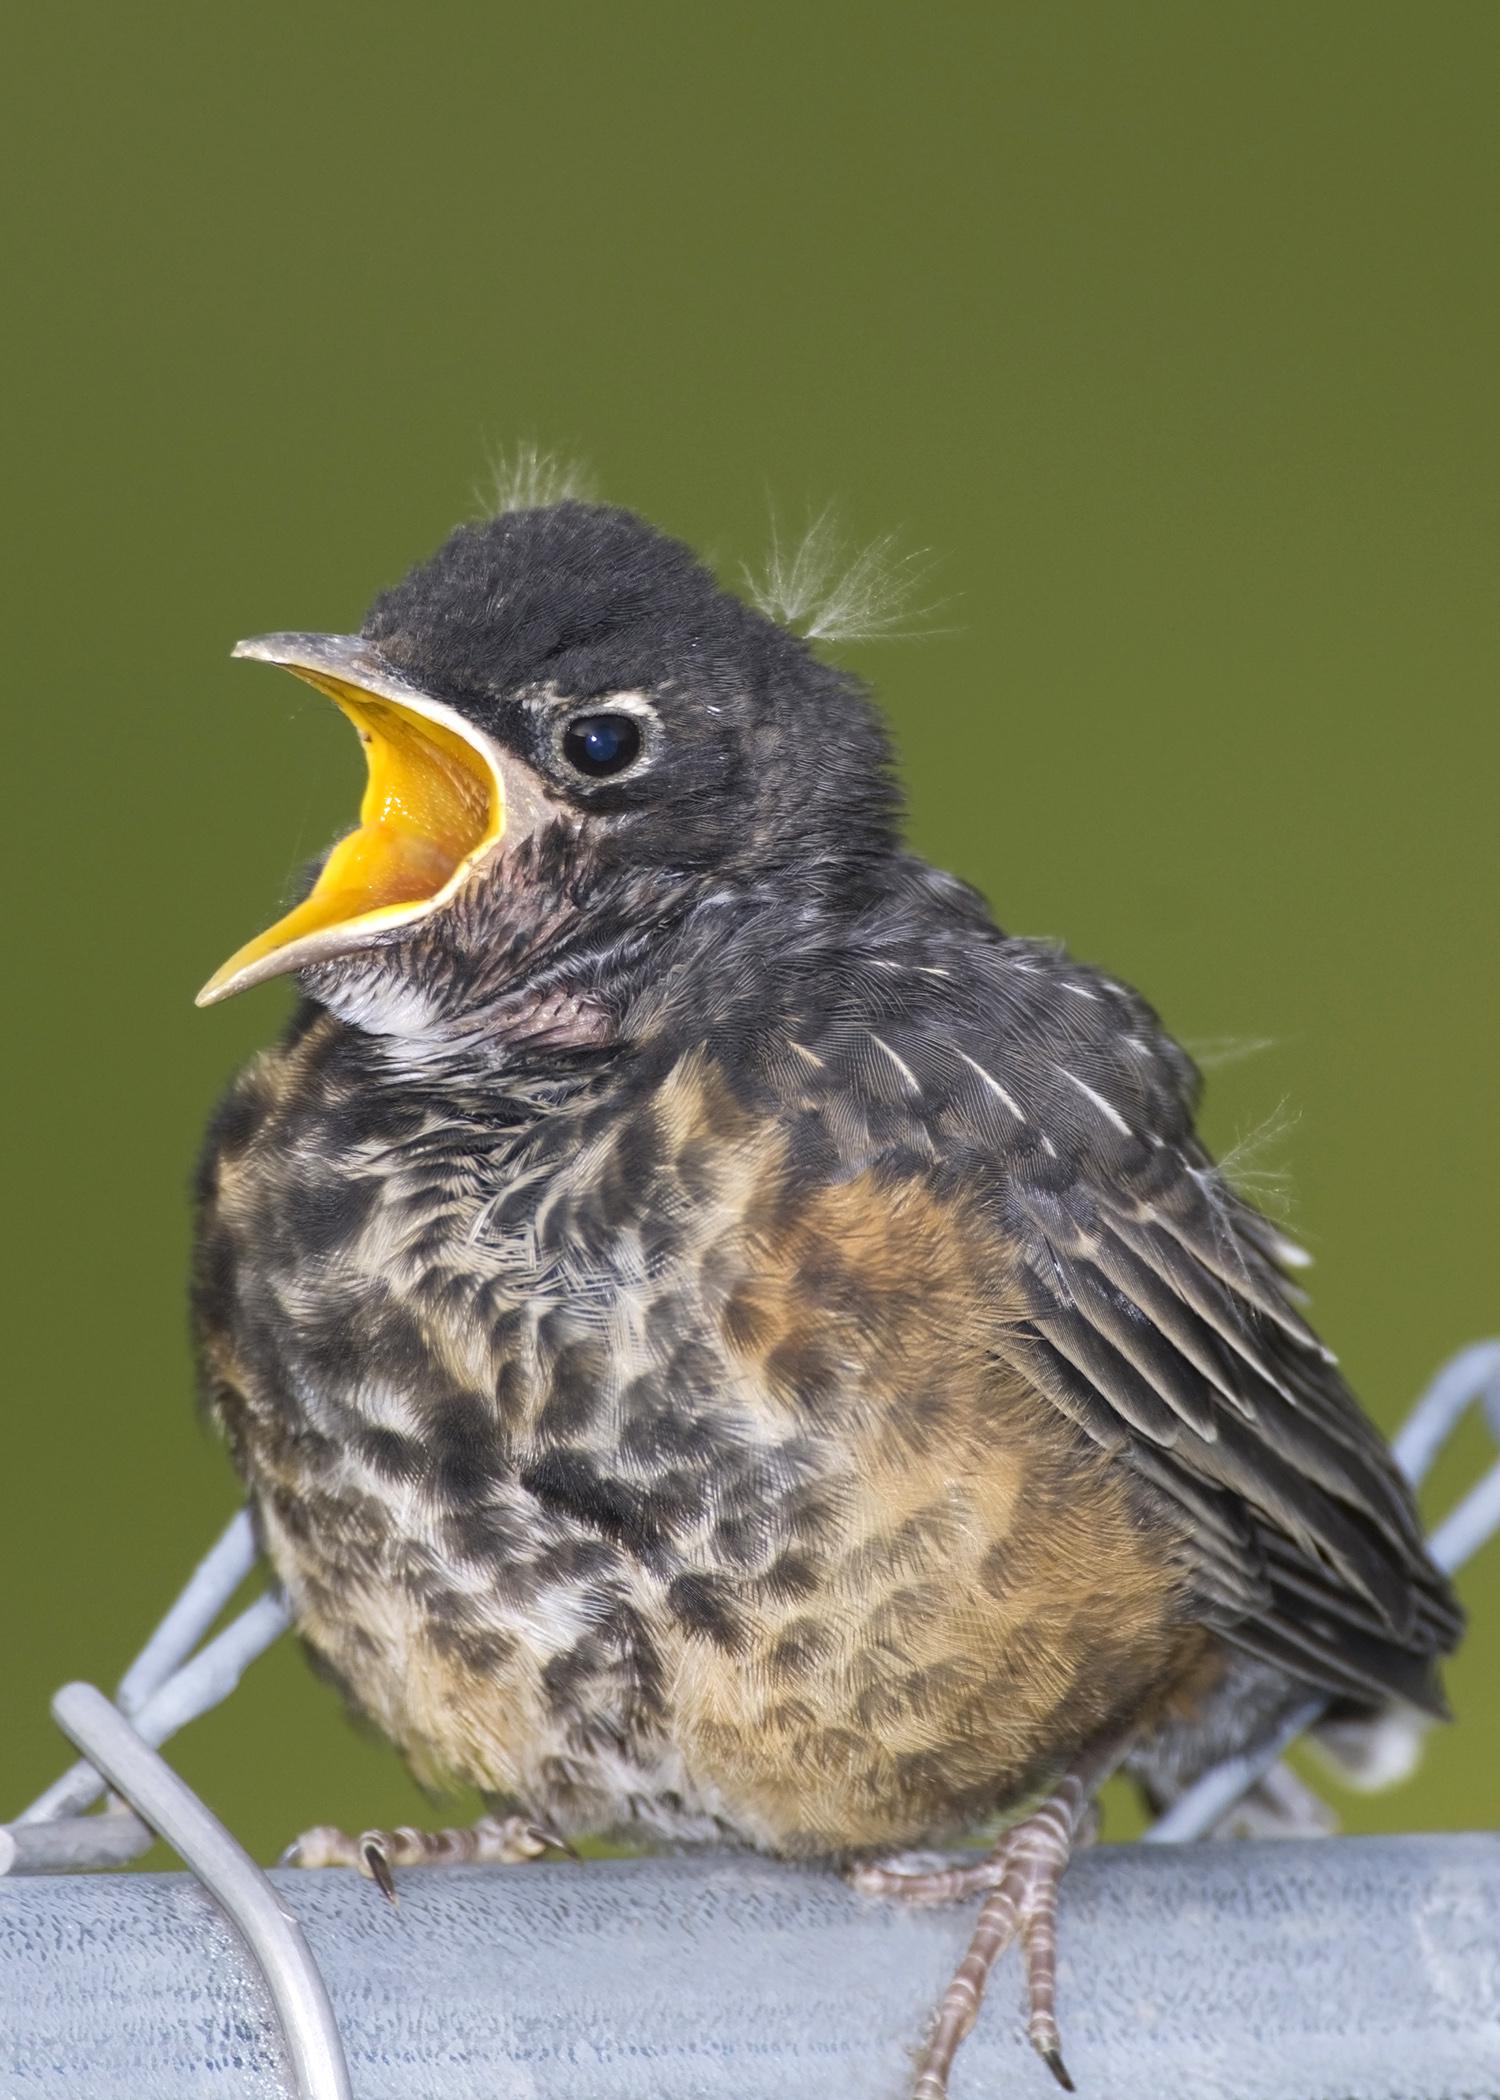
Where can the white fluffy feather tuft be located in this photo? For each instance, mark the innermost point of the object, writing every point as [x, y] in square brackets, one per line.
[1245, 1166]
[527, 478]
[1370, 1755]
[829, 592]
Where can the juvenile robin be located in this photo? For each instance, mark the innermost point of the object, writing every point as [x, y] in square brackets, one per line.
[722, 1342]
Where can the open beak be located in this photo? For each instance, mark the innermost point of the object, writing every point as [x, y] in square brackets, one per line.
[434, 807]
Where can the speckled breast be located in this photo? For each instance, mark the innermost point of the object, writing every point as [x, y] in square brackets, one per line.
[612, 1470]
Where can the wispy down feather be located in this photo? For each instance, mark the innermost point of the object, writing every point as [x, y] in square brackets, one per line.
[1211, 1053]
[527, 478]
[818, 583]
[1246, 1167]
[830, 592]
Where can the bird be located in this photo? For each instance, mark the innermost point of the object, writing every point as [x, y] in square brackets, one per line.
[724, 1344]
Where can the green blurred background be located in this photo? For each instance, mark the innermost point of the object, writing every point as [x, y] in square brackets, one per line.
[1172, 329]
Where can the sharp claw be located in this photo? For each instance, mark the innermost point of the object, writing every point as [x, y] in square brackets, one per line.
[553, 1842]
[1052, 2058]
[379, 1869]
[292, 1856]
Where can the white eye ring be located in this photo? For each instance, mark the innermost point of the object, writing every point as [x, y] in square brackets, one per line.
[571, 713]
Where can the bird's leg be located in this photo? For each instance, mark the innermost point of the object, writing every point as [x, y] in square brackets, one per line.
[494, 1841]
[1021, 1877]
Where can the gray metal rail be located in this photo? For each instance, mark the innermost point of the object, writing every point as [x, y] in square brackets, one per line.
[1340, 1969]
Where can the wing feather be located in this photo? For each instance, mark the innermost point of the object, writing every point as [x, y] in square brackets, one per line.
[1155, 1311]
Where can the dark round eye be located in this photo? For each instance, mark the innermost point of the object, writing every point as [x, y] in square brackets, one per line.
[599, 745]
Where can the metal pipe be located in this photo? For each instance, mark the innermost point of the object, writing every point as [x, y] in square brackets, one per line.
[1253, 1971]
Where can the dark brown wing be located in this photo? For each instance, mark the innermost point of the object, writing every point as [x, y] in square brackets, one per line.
[1159, 1317]
[1165, 1307]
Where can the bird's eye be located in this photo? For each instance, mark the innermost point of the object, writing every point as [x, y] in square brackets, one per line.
[598, 745]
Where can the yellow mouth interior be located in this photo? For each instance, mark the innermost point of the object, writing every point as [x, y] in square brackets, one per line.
[432, 807]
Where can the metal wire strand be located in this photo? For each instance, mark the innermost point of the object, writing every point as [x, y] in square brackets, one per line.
[273, 1938]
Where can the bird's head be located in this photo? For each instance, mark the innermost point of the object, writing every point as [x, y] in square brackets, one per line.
[575, 740]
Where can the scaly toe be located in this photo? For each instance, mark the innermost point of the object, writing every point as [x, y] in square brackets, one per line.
[322, 1846]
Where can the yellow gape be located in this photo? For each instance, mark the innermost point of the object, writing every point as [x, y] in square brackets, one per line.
[433, 806]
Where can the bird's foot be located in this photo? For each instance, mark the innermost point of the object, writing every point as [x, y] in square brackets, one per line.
[1020, 1878]
[494, 1841]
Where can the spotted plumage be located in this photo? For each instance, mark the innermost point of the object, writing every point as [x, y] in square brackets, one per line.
[720, 1340]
